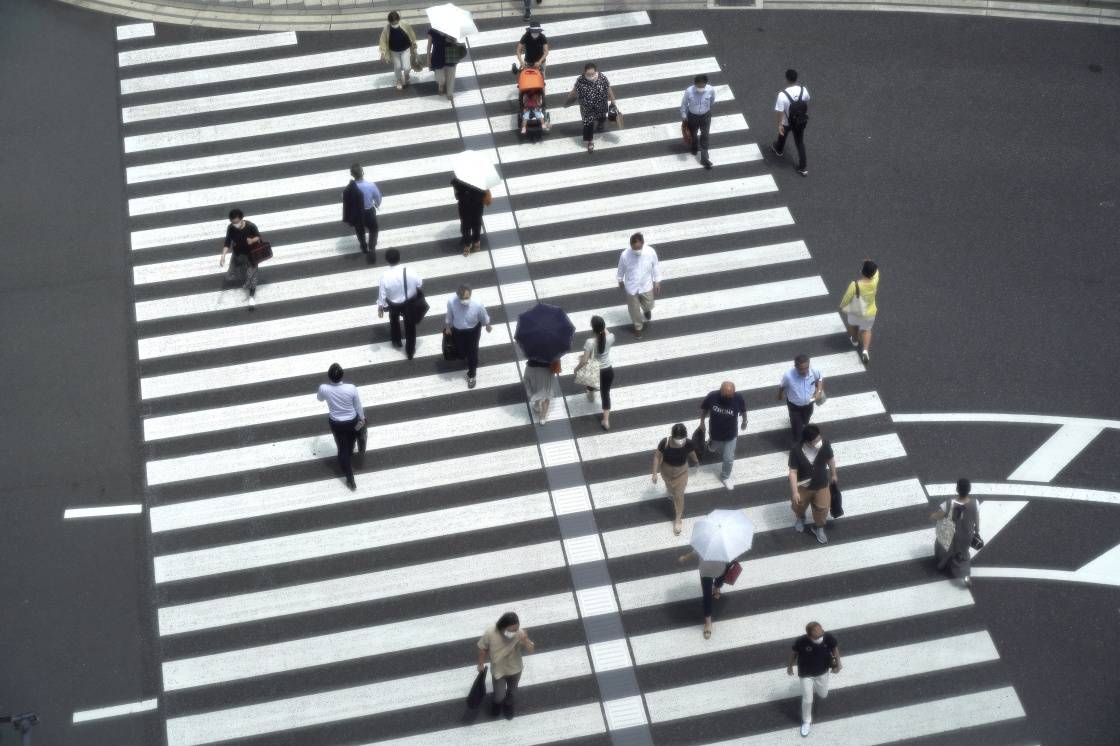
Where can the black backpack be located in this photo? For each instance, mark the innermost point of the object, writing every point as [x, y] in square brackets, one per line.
[798, 113]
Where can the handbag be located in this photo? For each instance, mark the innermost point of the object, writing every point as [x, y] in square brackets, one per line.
[419, 62]
[588, 375]
[837, 505]
[946, 529]
[487, 198]
[478, 690]
[732, 573]
[687, 134]
[554, 366]
[450, 351]
[976, 543]
[857, 305]
[261, 251]
[416, 307]
[698, 438]
[363, 435]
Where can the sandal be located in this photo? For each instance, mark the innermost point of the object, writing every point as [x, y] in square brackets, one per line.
[716, 594]
[677, 526]
[467, 250]
[707, 630]
[476, 246]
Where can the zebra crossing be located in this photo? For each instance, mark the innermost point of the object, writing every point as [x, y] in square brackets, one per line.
[290, 609]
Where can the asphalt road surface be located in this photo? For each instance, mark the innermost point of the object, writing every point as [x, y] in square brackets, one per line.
[959, 153]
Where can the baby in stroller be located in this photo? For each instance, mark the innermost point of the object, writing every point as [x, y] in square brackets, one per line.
[530, 87]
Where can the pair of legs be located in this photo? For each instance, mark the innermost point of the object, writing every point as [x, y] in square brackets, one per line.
[710, 589]
[242, 270]
[676, 480]
[540, 406]
[445, 81]
[727, 453]
[402, 66]
[344, 438]
[531, 114]
[504, 689]
[779, 146]
[820, 500]
[640, 306]
[398, 314]
[698, 126]
[799, 417]
[590, 126]
[369, 223]
[470, 227]
[466, 342]
[859, 332]
[811, 685]
[606, 380]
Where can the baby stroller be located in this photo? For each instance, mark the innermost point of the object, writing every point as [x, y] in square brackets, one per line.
[531, 100]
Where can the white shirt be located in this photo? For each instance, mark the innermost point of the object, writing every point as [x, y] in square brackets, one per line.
[639, 270]
[465, 316]
[697, 101]
[342, 400]
[782, 104]
[390, 288]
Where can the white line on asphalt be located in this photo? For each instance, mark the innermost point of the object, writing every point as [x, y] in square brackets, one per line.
[1104, 570]
[842, 613]
[130, 708]
[694, 700]
[902, 723]
[135, 31]
[1032, 491]
[196, 49]
[359, 701]
[370, 586]
[748, 470]
[311, 495]
[652, 537]
[1017, 419]
[550, 726]
[1056, 453]
[103, 510]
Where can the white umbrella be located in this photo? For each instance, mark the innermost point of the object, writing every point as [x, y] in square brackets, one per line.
[474, 168]
[451, 20]
[722, 535]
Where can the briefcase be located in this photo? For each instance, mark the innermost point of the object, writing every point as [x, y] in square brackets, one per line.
[478, 690]
[687, 134]
[260, 251]
[450, 351]
[837, 508]
[416, 307]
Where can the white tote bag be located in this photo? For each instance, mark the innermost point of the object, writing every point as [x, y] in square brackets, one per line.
[588, 375]
[857, 305]
[946, 529]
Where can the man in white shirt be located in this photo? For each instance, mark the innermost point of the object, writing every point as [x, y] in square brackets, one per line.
[463, 322]
[696, 112]
[792, 100]
[802, 386]
[639, 276]
[347, 418]
[396, 286]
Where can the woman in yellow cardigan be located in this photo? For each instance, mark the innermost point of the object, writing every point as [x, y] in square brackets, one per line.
[862, 310]
[398, 45]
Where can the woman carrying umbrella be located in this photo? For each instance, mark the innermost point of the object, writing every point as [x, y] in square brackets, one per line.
[474, 175]
[671, 459]
[503, 644]
[717, 539]
[541, 386]
[545, 334]
[593, 91]
[448, 24]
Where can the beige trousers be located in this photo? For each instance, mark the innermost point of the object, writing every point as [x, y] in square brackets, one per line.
[636, 305]
[821, 501]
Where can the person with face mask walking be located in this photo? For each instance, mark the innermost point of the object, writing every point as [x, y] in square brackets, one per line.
[696, 112]
[360, 201]
[817, 655]
[723, 408]
[802, 387]
[398, 45]
[594, 92]
[639, 277]
[347, 418]
[792, 109]
[463, 322]
[240, 235]
[503, 644]
[532, 49]
[671, 460]
[812, 470]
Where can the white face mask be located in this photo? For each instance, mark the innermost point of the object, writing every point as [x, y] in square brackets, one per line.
[394, 25]
[239, 224]
[535, 34]
[817, 444]
[465, 301]
[591, 76]
[509, 635]
[818, 640]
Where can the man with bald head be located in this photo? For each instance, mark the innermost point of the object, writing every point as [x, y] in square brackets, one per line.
[724, 407]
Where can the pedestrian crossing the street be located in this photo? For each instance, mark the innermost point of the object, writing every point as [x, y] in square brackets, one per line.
[290, 609]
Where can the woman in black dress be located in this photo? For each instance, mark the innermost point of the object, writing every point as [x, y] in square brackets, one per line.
[594, 92]
[471, 201]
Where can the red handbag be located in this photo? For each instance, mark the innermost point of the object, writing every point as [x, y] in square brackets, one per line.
[686, 133]
[260, 251]
[734, 570]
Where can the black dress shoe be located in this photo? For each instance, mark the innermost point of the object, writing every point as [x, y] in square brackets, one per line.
[507, 709]
[495, 709]
[351, 484]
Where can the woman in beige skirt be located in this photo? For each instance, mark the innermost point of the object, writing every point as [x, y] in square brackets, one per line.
[671, 460]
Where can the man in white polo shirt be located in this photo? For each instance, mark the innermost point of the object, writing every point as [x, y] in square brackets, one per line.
[347, 418]
[802, 386]
[639, 276]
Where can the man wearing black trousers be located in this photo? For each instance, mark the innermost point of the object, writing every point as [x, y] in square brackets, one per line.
[347, 419]
[396, 286]
[792, 109]
[696, 112]
[360, 201]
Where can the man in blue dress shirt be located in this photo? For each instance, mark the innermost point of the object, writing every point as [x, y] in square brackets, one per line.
[802, 386]
[463, 323]
[696, 112]
[360, 201]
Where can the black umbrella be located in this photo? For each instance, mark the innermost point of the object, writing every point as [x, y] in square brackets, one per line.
[544, 332]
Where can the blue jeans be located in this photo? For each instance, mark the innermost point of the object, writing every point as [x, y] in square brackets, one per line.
[727, 449]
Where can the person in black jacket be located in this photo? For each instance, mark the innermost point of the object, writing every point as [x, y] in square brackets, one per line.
[240, 235]
[360, 201]
[471, 201]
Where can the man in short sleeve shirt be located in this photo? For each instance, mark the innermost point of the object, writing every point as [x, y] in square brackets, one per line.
[802, 386]
[723, 408]
[816, 654]
[792, 92]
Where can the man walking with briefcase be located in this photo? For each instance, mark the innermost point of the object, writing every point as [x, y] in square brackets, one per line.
[399, 292]
[463, 322]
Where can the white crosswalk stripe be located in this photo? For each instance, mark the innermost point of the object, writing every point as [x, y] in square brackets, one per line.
[288, 601]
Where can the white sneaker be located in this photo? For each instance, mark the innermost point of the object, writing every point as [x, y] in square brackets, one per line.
[805, 728]
[854, 341]
[727, 483]
[822, 538]
[252, 302]
[799, 525]
[865, 355]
